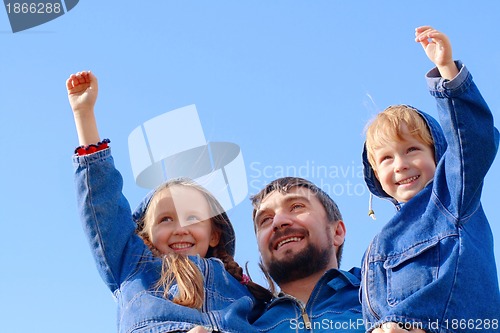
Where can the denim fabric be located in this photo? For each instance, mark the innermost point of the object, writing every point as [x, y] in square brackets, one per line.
[332, 307]
[130, 270]
[433, 264]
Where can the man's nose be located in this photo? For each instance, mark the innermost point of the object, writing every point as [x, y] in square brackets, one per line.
[281, 220]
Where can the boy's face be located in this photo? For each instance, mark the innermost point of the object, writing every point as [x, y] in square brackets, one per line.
[404, 168]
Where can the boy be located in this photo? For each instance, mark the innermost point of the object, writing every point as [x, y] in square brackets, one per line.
[432, 265]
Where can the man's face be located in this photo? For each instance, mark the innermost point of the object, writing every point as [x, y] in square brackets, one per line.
[294, 235]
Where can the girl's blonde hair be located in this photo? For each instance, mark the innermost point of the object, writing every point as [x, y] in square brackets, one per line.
[388, 127]
[178, 268]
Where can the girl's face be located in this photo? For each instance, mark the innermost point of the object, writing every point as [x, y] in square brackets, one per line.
[405, 167]
[182, 222]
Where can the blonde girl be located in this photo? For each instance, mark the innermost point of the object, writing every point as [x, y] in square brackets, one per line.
[169, 264]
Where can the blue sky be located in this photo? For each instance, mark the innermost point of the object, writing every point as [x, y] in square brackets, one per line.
[291, 82]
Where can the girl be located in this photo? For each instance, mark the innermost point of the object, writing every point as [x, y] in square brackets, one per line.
[168, 263]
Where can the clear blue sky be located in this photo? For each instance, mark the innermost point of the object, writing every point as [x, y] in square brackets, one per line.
[291, 82]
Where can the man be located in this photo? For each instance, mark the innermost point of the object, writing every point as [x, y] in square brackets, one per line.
[300, 234]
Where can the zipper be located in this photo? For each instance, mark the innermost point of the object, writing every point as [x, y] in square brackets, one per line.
[365, 283]
[305, 317]
[303, 313]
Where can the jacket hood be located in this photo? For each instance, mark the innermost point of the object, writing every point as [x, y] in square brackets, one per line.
[437, 134]
[228, 235]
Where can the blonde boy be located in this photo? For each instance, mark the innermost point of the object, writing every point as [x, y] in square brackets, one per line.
[432, 266]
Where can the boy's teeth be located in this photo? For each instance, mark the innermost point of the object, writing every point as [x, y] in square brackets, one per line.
[408, 180]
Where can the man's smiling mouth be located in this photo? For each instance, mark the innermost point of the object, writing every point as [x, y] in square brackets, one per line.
[288, 240]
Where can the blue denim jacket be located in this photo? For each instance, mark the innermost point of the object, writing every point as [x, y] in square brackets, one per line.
[130, 270]
[433, 264]
[332, 307]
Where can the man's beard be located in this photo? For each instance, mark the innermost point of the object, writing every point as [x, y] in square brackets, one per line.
[310, 260]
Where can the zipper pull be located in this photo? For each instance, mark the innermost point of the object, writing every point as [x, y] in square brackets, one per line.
[306, 319]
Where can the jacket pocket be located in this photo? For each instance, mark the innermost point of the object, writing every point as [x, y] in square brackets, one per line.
[411, 270]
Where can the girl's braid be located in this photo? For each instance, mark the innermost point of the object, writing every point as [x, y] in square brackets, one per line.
[260, 293]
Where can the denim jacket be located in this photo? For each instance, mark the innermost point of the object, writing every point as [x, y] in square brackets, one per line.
[130, 271]
[332, 307]
[432, 265]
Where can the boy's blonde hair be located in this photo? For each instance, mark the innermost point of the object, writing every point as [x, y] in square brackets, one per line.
[387, 127]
